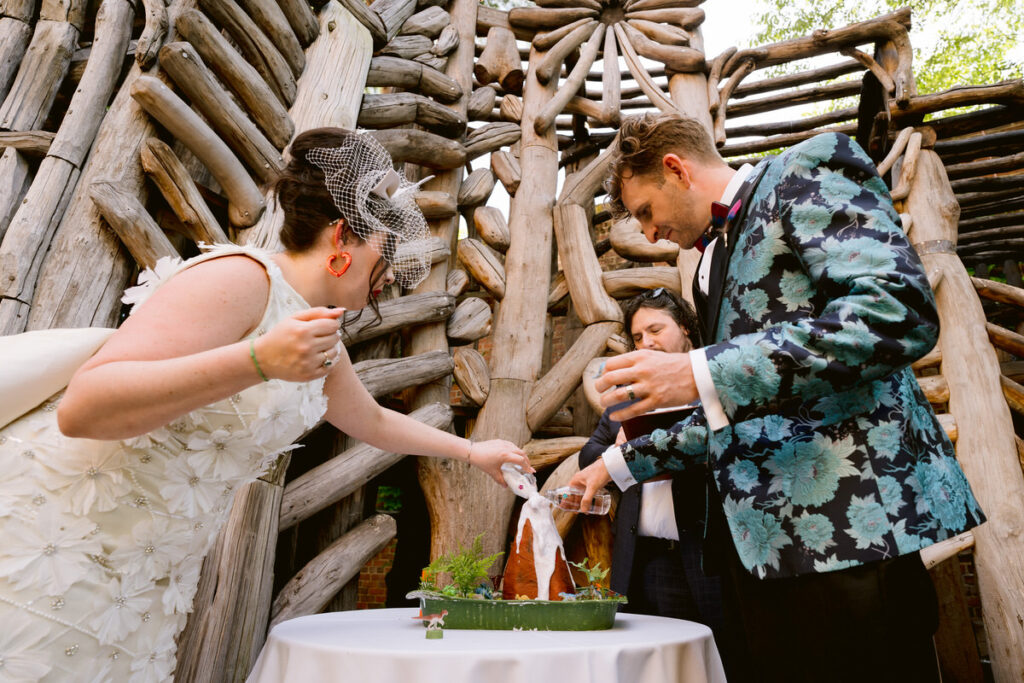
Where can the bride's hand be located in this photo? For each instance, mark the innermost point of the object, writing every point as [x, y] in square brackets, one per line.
[491, 455]
[301, 347]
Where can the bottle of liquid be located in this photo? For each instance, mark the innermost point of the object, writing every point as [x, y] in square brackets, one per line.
[566, 498]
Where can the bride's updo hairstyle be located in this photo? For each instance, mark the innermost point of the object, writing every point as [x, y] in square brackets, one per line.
[302, 192]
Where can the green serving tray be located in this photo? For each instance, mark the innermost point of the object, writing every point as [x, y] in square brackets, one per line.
[506, 615]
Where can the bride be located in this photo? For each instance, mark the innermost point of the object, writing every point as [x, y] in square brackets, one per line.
[113, 492]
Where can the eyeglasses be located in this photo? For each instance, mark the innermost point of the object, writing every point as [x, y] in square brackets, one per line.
[653, 293]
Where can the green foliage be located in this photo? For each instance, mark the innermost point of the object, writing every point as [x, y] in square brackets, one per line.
[505, 4]
[468, 570]
[595, 588]
[956, 42]
[389, 499]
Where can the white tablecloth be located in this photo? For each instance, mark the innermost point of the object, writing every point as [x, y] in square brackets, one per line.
[389, 646]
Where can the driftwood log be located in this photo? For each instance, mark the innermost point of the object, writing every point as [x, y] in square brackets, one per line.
[491, 226]
[472, 374]
[985, 443]
[470, 321]
[484, 264]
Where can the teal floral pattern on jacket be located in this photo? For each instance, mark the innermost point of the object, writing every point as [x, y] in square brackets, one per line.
[833, 457]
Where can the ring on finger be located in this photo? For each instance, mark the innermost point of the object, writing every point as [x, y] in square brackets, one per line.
[629, 392]
[327, 360]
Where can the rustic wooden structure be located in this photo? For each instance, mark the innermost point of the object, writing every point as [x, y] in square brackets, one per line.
[518, 307]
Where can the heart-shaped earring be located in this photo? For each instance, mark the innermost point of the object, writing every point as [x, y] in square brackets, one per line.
[344, 257]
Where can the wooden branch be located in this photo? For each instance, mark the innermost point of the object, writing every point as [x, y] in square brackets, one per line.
[793, 98]
[314, 586]
[491, 137]
[546, 117]
[943, 550]
[531, 18]
[930, 360]
[581, 267]
[370, 19]
[794, 80]
[552, 390]
[629, 243]
[481, 103]
[590, 4]
[543, 42]
[611, 82]
[506, 167]
[435, 204]
[896, 151]
[661, 33]
[254, 46]
[393, 14]
[34, 143]
[402, 108]
[153, 34]
[234, 71]
[778, 141]
[328, 483]
[430, 22]
[805, 123]
[245, 201]
[456, 282]
[40, 74]
[301, 19]
[547, 452]
[723, 96]
[405, 311]
[637, 5]
[989, 183]
[388, 375]
[874, 67]
[908, 168]
[500, 61]
[127, 217]
[511, 109]
[180, 191]
[1006, 340]
[935, 388]
[386, 71]
[184, 65]
[676, 59]
[886, 27]
[421, 147]
[999, 291]
[1010, 93]
[688, 18]
[471, 373]
[484, 265]
[476, 188]
[1013, 393]
[640, 74]
[270, 17]
[581, 186]
[970, 169]
[492, 227]
[551, 63]
[470, 321]
[632, 281]
[408, 47]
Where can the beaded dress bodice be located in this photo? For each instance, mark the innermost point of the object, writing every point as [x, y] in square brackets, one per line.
[102, 542]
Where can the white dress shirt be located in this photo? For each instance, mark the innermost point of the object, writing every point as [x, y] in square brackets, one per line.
[613, 460]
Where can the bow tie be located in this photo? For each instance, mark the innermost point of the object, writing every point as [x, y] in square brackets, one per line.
[721, 216]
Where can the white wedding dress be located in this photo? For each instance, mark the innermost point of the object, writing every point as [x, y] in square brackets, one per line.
[101, 542]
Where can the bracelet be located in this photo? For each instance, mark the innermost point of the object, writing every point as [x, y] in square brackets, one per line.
[469, 455]
[252, 354]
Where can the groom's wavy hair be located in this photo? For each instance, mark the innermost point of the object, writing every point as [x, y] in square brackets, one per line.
[644, 140]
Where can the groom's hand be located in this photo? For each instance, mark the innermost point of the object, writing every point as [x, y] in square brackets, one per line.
[657, 379]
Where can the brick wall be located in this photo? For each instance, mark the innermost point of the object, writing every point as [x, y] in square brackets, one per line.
[372, 589]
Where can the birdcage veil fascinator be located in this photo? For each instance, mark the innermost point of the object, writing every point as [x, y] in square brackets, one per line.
[374, 198]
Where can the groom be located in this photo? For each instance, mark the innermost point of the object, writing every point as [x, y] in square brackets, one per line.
[829, 468]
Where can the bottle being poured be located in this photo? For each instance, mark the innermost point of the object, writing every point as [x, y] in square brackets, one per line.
[536, 567]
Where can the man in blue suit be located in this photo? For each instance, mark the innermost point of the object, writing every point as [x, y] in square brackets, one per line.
[830, 467]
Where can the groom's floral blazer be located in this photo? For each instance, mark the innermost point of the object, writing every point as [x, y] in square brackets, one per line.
[832, 456]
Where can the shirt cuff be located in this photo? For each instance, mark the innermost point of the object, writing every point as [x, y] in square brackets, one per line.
[713, 410]
[617, 467]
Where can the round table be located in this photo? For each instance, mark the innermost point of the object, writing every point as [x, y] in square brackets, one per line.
[390, 646]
